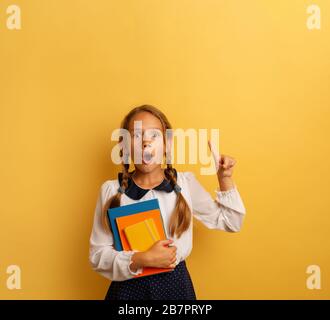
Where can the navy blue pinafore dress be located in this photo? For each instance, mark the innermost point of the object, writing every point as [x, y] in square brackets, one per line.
[174, 285]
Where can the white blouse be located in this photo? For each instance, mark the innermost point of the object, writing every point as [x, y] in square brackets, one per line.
[225, 212]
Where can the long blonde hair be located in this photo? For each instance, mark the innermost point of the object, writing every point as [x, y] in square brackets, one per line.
[181, 216]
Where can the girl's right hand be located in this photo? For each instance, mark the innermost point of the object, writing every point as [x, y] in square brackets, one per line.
[159, 255]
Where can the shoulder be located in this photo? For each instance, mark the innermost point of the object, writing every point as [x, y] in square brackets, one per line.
[185, 176]
[189, 184]
[108, 188]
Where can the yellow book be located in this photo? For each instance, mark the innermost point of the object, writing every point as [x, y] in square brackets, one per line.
[142, 235]
[152, 226]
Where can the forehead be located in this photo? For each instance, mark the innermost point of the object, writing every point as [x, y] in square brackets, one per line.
[149, 121]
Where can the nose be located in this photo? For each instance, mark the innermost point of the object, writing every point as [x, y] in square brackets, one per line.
[146, 144]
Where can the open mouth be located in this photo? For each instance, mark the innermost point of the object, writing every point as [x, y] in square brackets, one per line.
[147, 157]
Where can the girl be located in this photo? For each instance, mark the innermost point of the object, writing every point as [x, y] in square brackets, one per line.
[180, 197]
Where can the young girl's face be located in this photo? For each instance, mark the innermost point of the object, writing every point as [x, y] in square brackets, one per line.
[147, 141]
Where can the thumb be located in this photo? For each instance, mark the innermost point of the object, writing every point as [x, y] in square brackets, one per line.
[166, 242]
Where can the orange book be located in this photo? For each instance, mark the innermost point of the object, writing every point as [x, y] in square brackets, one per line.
[125, 221]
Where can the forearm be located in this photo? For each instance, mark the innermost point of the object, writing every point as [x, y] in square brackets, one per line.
[225, 183]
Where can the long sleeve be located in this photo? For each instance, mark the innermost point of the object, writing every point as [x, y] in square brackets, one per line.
[226, 212]
[104, 259]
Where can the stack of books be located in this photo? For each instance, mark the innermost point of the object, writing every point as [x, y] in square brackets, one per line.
[137, 227]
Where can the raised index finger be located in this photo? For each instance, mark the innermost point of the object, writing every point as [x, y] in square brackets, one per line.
[215, 154]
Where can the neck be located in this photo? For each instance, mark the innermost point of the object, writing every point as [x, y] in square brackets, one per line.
[149, 179]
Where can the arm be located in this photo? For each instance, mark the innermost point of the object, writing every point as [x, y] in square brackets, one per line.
[138, 261]
[226, 212]
[104, 259]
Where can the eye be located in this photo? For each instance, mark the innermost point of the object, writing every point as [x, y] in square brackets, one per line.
[155, 134]
[136, 135]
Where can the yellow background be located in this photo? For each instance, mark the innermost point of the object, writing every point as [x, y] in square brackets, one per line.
[250, 68]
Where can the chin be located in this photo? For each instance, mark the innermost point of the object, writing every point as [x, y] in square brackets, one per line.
[146, 167]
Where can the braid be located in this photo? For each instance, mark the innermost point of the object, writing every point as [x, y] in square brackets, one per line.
[114, 201]
[126, 176]
[169, 173]
[180, 219]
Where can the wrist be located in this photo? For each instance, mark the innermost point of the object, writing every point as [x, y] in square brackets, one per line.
[146, 258]
[225, 183]
[140, 260]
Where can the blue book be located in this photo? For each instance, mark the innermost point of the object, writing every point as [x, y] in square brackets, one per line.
[126, 210]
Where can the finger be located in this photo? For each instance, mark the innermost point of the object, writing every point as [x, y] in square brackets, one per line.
[166, 242]
[228, 162]
[225, 162]
[215, 154]
[232, 163]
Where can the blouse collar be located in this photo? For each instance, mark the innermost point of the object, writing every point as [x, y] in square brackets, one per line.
[135, 192]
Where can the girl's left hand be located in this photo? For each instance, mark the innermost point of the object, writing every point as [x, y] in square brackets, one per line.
[224, 163]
